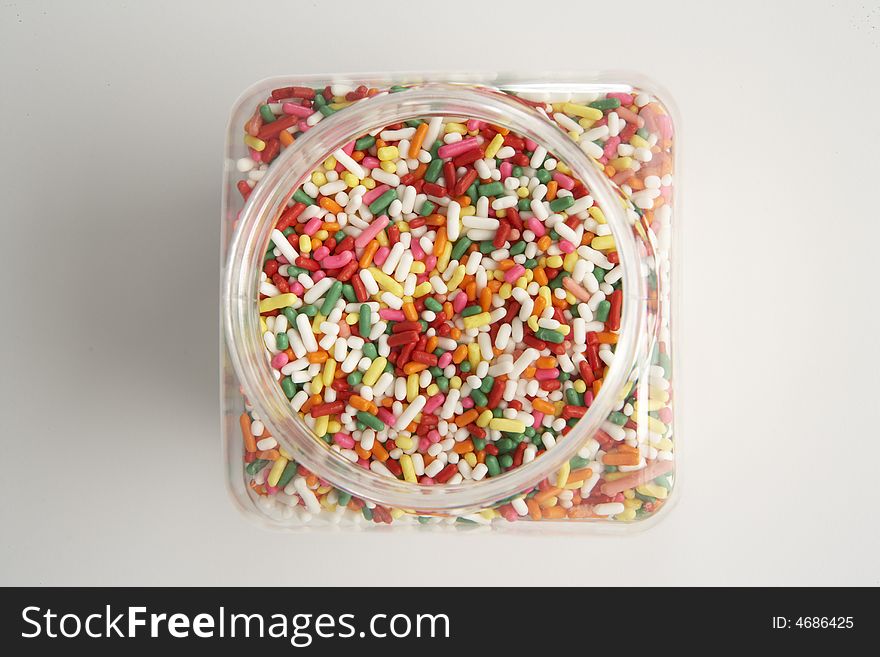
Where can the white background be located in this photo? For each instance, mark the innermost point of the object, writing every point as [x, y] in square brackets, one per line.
[112, 118]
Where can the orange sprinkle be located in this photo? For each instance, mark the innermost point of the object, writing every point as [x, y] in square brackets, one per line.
[544, 495]
[268, 454]
[367, 257]
[379, 451]
[529, 372]
[540, 305]
[580, 475]
[485, 298]
[534, 509]
[463, 447]
[357, 156]
[467, 417]
[545, 363]
[285, 138]
[318, 357]
[250, 443]
[552, 186]
[447, 309]
[554, 512]
[414, 368]
[460, 353]
[416, 144]
[363, 453]
[543, 406]
[440, 241]
[470, 289]
[455, 334]
[544, 243]
[431, 343]
[330, 205]
[494, 285]
[606, 337]
[410, 312]
[360, 403]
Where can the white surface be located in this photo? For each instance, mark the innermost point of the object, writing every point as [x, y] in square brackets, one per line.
[112, 120]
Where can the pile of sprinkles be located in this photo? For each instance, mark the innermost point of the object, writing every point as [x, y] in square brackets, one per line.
[440, 302]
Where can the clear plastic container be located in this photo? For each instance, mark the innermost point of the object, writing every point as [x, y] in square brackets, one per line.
[602, 453]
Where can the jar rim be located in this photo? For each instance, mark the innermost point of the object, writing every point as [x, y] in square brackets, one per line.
[244, 263]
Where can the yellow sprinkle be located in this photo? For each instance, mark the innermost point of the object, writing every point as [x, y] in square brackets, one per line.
[387, 153]
[603, 243]
[650, 405]
[561, 167]
[505, 291]
[330, 163]
[321, 425]
[460, 128]
[580, 386]
[329, 371]
[368, 182]
[522, 192]
[374, 371]
[621, 163]
[388, 167]
[455, 382]
[317, 385]
[474, 354]
[316, 323]
[397, 513]
[597, 214]
[305, 244]
[562, 477]
[253, 142]
[319, 178]
[638, 142]
[471, 459]
[478, 320]
[404, 442]
[334, 426]
[554, 262]
[494, 145]
[503, 424]
[274, 303]
[352, 180]
[284, 453]
[484, 418]
[654, 425]
[277, 468]
[385, 281]
[467, 211]
[457, 278]
[422, 289]
[418, 267]
[533, 323]
[432, 390]
[489, 514]
[351, 319]
[406, 464]
[653, 490]
[412, 387]
[582, 110]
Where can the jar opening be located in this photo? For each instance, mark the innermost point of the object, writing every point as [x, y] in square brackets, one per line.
[270, 196]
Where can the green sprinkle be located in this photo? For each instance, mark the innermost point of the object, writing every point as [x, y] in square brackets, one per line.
[364, 320]
[331, 298]
[442, 383]
[461, 246]
[370, 351]
[300, 196]
[618, 418]
[505, 461]
[370, 420]
[561, 203]
[605, 104]
[465, 366]
[381, 204]
[433, 170]
[433, 305]
[543, 175]
[517, 248]
[309, 310]
[343, 498]
[491, 189]
[479, 443]
[288, 386]
[602, 311]
[492, 464]
[255, 466]
[549, 335]
[578, 462]
[281, 342]
[479, 398]
[505, 444]
[364, 143]
[488, 382]
[290, 314]
[266, 113]
[355, 378]
[349, 293]
[471, 310]
[427, 208]
[288, 474]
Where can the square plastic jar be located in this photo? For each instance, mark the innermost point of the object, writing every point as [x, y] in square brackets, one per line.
[446, 301]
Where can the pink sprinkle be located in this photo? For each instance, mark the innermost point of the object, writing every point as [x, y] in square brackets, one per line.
[458, 147]
[539, 417]
[348, 149]
[421, 278]
[297, 110]
[424, 444]
[303, 126]
[318, 275]
[279, 360]
[320, 253]
[665, 125]
[313, 226]
[417, 250]
[374, 193]
[381, 255]
[433, 436]
[433, 403]
[474, 124]
[343, 440]
[530, 145]
[386, 416]
[467, 403]
[336, 261]
[535, 226]
[344, 330]
[445, 359]
[426, 481]
[297, 288]
[256, 156]
[630, 117]
[370, 162]
[508, 513]
[271, 490]
[365, 464]
[459, 302]
[566, 247]
[579, 293]
[431, 261]
[624, 98]
[563, 181]
[506, 169]
[611, 147]
[391, 314]
[546, 375]
[512, 274]
[371, 231]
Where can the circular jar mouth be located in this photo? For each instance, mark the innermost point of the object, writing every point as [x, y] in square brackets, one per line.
[251, 238]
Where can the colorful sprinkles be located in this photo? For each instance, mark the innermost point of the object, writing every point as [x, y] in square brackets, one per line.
[441, 299]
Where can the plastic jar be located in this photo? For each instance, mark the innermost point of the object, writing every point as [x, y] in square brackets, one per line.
[620, 452]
